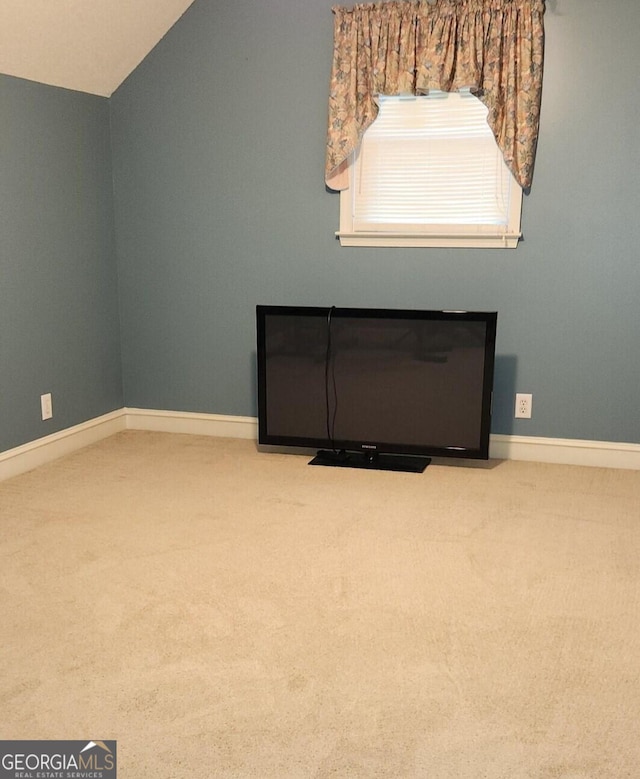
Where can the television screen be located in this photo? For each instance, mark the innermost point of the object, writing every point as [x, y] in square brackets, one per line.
[376, 381]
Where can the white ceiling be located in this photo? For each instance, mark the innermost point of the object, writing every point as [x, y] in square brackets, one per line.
[86, 45]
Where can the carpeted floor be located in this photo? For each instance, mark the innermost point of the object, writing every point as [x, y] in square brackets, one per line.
[228, 613]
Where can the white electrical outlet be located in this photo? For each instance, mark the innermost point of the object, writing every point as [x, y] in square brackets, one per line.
[523, 405]
[46, 406]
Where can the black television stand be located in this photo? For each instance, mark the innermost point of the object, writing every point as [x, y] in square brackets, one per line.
[371, 460]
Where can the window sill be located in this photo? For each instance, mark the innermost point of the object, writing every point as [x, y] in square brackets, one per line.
[488, 241]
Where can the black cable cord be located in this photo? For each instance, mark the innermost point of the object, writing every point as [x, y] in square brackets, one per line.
[330, 418]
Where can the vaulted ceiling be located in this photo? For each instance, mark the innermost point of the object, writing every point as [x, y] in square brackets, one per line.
[86, 45]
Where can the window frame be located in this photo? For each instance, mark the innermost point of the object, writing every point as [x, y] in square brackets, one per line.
[430, 236]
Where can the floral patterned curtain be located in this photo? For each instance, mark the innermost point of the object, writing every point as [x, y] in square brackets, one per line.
[495, 47]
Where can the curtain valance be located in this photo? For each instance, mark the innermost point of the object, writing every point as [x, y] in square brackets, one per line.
[495, 47]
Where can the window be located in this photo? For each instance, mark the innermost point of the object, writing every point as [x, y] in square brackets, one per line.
[429, 173]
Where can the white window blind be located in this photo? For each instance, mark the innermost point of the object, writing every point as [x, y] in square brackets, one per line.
[429, 166]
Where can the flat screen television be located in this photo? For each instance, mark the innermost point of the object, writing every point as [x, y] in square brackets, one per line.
[375, 388]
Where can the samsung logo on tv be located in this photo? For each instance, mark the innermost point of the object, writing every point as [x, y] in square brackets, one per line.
[368, 446]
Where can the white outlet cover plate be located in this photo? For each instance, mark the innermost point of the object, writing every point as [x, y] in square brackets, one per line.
[524, 402]
[46, 406]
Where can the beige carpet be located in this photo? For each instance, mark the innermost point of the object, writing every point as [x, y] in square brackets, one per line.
[228, 613]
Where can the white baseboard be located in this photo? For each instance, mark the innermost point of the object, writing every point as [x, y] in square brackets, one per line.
[43, 450]
[602, 454]
[565, 451]
[560, 451]
[219, 425]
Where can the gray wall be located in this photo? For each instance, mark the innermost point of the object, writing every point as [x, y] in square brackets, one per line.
[59, 328]
[220, 204]
[218, 153]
